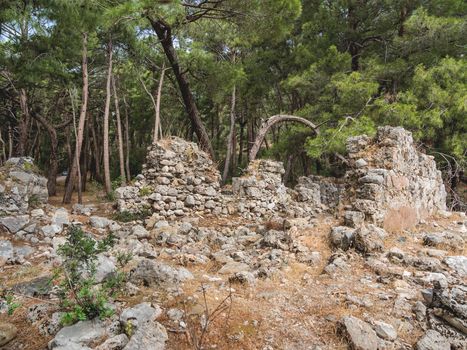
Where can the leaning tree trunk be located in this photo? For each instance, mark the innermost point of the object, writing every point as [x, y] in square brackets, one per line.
[164, 34]
[82, 119]
[280, 118]
[107, 182]
[119, 134]
[231, 139]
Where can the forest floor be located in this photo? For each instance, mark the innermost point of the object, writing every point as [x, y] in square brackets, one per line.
[298, 307]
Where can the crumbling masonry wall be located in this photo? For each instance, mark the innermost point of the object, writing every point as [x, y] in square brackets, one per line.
[392, 183]
[389, 182]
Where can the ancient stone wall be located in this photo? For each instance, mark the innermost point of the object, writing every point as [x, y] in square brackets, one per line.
[20, 186]
[177, 178]
[391, 182]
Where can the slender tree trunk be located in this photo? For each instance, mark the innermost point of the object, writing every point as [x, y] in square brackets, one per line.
[3, 155]
[127, 141]
[230, 139]
[23, 124]
[53, 158]
[74, 171]
[119, 134]
[10, 142]
[164, 34]
[157, 121]
[107, 182]
[98, 174]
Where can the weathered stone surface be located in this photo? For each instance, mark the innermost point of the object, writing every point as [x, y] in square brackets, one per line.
[150, 273]
[117, 342]
[369, 239]
[401, 186]
[177, 178]
[432, 340]
[149, 336]
[140, 314]
[81, 333]
[385, 331]
[458, 264]
[342, 237]
[21, 186]
[8, 332]
[359, 334]
[14, 223]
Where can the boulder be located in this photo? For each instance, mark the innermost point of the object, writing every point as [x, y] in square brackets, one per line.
[151, 273]
[432, 340]
[342, 237]
[359, 334]
[149, 336]
[82, 333]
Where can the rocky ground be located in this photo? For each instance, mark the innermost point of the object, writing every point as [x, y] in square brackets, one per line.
[280, 284]
[329, 265]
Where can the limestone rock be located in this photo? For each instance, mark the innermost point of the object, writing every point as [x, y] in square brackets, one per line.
[8, 332]
[432, 340]
[81, 333]
[359, 334]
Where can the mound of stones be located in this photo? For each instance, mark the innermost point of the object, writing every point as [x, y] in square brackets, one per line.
[21, 186]
[391, 181]
[178, 178]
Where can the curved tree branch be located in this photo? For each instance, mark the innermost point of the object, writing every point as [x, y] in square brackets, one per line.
[280, 118]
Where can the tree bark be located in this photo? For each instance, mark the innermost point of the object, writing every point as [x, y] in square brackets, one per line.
[95, 145]
[230, 139]
[23, 124]
[119, 134]
[164, 34]
[127, 141]
[82, 119]
[157, 119]
[53, 159]
[107, 182]
[280, 118]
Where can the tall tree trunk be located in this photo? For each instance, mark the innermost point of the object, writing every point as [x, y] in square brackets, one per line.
[119, 134]
[230, 139]
[98, 174]
[3, 154]
[10, 142]
[53, 158]
[157, 119]
[82, 119]
[164, 33]
[23, 124]
[107, 182]
[127, 141]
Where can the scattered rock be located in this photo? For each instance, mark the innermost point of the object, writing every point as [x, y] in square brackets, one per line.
[8, 332]
[81, 333]
[432, 340]
[359, 334]
[385, 331]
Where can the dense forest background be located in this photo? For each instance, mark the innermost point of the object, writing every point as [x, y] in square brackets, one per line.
[98, 80]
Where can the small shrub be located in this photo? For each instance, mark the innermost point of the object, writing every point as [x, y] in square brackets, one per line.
[127, 216]
[80, 296]
[145, 191]
[34, 201]
[12, 305]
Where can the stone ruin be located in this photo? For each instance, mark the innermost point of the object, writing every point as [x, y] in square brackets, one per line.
[21, 186]
[389, 182]
[392, 184]
[178, 178]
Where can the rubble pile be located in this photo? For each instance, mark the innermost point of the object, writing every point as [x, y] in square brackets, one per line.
[21, 186]
[178, 178]
[391, 181]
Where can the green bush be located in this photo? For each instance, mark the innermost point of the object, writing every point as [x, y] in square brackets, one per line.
[81, 297]
[127, 216]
